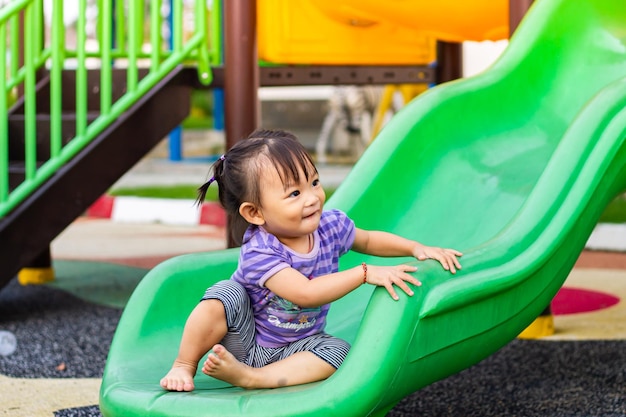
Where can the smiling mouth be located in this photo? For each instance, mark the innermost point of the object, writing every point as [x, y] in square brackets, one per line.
[311, 215]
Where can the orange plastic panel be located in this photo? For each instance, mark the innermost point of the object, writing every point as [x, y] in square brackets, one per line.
[372, 31]
[299, 32]
[448, 20]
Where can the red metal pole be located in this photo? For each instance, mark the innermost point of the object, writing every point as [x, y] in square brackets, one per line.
[241, 75]
[241, 78]
[449, 61]
[517, 10]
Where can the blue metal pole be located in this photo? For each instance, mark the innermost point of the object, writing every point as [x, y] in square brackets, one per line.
[175, 142]
[175, 136]
[218, 109]
[218, 93]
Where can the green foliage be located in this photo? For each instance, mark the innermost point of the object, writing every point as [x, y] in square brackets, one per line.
[162, 191]
[615, 212]
[201, 116]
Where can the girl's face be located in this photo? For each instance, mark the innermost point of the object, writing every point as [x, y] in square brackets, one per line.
[293, 210]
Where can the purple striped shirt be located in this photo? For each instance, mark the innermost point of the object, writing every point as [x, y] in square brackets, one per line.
[278, 321]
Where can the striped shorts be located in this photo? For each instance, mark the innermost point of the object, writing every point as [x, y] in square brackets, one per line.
[241, 337]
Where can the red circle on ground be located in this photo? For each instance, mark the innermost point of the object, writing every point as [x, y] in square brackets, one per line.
[578, 300]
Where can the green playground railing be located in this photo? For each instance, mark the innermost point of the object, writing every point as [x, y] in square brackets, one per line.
[128, 34]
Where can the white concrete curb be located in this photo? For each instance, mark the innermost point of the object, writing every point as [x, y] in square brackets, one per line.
[608, 236]
[181, 212]
[155, 210]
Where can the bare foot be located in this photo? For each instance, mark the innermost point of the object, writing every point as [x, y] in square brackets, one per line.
[179, 378]
[221, 364]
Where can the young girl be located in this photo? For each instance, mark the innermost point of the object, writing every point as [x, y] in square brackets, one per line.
[265, 326]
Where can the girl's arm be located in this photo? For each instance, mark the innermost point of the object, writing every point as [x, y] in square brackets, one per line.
[387, 244]
[295, 287]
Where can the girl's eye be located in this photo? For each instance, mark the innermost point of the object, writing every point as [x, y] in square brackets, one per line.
[316, 182]
[294, 193]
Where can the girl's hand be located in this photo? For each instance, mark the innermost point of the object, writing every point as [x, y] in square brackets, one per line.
[388, 276]
[446, 257]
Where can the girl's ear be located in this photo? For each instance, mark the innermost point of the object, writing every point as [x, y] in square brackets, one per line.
[251, 213]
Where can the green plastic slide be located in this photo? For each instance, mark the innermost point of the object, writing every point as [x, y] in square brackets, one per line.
[513, 167]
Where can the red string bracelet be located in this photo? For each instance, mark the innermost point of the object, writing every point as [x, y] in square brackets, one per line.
[364, 273]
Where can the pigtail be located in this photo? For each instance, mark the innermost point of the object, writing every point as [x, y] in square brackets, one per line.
[218, 169]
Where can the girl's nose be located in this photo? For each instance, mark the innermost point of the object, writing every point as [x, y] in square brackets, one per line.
[311, 199]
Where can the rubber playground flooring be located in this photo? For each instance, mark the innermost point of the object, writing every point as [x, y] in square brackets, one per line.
[63, 330]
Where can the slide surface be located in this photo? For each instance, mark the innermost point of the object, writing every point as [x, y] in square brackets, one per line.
[512, 167]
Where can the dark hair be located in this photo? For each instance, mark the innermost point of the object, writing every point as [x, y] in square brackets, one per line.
[237, 172]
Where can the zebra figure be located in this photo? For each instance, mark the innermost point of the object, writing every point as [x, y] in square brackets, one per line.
[351, 110]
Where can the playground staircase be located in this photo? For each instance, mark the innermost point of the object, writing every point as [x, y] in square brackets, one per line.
[76, 113]
[27, 231]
